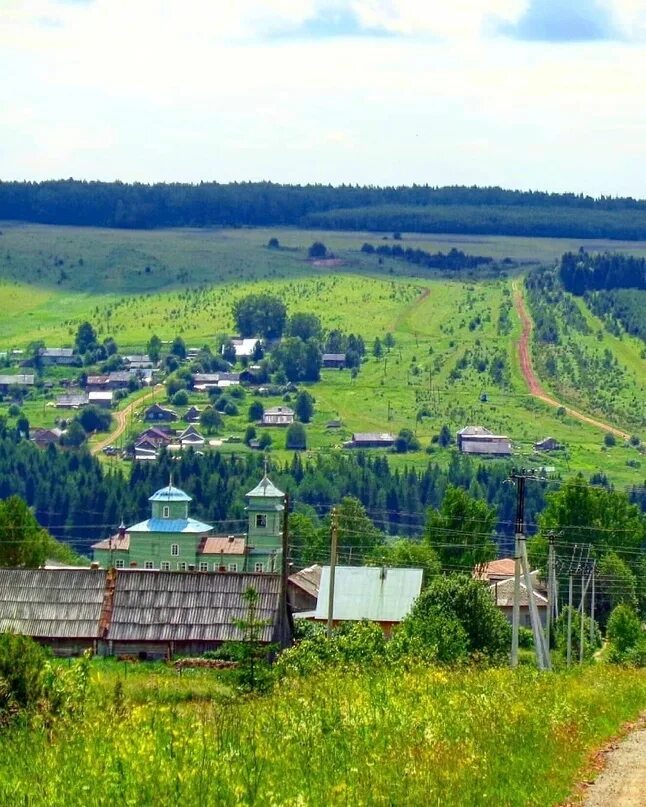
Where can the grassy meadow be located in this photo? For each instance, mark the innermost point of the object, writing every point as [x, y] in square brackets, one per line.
[455, 335]
[374, 737]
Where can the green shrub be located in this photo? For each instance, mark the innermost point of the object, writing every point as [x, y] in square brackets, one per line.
[624, 632]
[22, 662]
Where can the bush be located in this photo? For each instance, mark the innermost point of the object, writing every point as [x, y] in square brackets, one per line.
[296, 437]
[256, 411]
[230, 409]
[22, 662]
[609, 439]
[450, 599]
[180, 398]
[624, 629]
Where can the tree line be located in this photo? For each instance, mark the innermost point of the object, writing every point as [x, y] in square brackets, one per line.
[421, 208]
[453, 260]
[582, 271]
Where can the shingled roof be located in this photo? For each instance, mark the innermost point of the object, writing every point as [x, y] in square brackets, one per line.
[52, 603]
[176, 606]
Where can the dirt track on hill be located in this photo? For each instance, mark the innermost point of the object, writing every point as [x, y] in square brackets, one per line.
[531, 378]
[121, 417]
[623, 781]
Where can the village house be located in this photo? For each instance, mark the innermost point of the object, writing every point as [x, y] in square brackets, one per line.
[156, 412]
[375, 593]
[333, 360]
[148, 614]
[190, 437]
[192, 415]
[57, 355]
[207, 381]
[172, 541]
[45, 437]
[548, 444]
[243, 347]
[138, 362]
[76, 401]
[158, 437]
[278, 416]
[499, 576]
[7, 382]
[480, 441]
[100, 399]
[370, 440]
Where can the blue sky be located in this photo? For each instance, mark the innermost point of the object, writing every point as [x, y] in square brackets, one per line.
[519, 93]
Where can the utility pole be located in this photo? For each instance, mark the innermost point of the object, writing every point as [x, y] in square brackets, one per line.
[334, 529]
[283, 563]
[569, 624]
[594, 569]
[581, 627]
[550, 590]
[543, 660]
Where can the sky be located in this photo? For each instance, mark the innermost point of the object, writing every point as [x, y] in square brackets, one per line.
[530, 94]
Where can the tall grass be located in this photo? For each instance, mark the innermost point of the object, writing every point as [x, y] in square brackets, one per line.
[387, 737]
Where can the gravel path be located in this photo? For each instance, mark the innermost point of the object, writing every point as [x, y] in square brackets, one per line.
[623, 781]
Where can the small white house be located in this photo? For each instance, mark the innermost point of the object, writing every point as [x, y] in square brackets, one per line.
[278, 416]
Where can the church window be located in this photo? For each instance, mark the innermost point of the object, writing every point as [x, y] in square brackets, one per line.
[148, 564]
[233, 567]
[119, 564]
[261, 520]
[259, 567]
[204, 567]
[165, 566]
[174, 549]
[166, 512]
[181, 567]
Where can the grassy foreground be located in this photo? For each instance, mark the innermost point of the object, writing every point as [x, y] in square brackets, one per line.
[390, 737]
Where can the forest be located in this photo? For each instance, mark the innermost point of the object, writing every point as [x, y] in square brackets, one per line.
[79, 501]
[582, 271]
[420, 208]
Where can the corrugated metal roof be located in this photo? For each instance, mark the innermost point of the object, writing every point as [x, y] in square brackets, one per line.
[500, 446]
[115, 543]
[228, 545]
[170, 494]
[52, 603]
[365, 592]
[176, 606]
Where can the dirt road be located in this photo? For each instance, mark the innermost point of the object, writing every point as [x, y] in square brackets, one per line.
[531, 378]
[121, 417]
[623, 781]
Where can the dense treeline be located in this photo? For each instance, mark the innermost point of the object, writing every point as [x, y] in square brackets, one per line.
[420, 208]
[453, 260]
[581, 271]
[550, 221]
[77, 500]
[625, 306]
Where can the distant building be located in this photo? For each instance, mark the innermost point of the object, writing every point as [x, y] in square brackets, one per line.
[333, 360]
[191, 437]
[503, 595]
[20, 380]
[374, 593]
[480, 441]
[206, 381]
[138, 362]
[71, 401]
[278, 416]
[158, 437]
[159, 413]
[495, 570]
[170, 540]
[101, 399]
[192, 415]
[45, 437]
[548, 444]
[244, 347]
[57, 355]
[371, 440]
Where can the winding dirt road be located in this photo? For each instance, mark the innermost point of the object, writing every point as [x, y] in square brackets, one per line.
[121, 417]
[623, 781]
[531, 378]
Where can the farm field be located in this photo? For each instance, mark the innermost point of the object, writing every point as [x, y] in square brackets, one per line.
[454, 360]
[381, 736]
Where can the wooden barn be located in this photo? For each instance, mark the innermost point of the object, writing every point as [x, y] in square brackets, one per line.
[148, 614]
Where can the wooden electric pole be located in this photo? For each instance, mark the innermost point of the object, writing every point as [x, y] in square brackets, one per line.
[334, 530]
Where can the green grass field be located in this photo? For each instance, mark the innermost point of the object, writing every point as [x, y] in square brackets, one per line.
[362, 737]
[451, 345]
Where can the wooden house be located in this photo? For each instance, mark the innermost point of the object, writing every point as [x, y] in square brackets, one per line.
[158, 437]
[333, 360]
[371, 440]
[192, 415]
[480, 441]
[303, 588]
[548, 444]
[57, 355]
[102, 399]
[157, 413]
[45, 437]
[278, 416]
[8, 382]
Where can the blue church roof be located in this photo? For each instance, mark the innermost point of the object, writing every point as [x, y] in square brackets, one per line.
[170, 494]
[170, 525]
